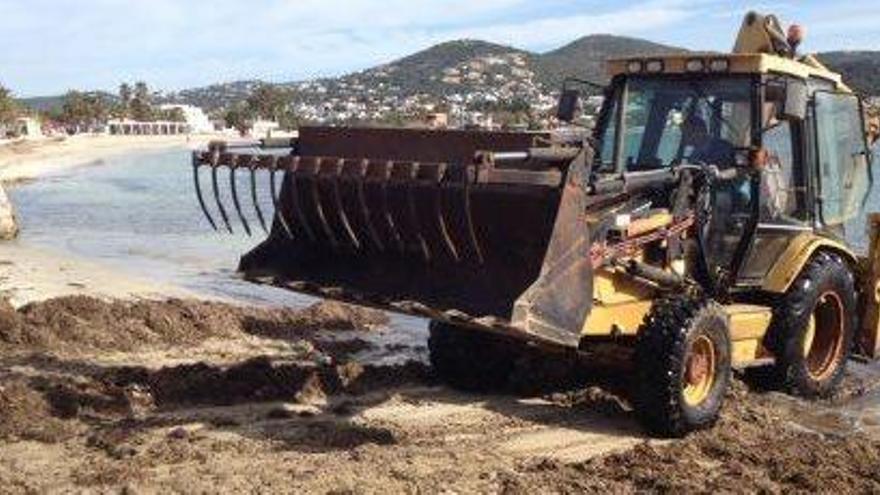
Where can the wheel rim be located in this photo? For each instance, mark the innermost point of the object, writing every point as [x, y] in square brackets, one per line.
[824, 337]
[699, 371]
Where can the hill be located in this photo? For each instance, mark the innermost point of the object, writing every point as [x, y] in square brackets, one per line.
[221, 95]
[470, 74]
[43, 103]
[860, 69]
[586, 57]
[54, 103]
[424, 71]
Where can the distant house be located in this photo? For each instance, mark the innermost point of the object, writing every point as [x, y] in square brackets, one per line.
[22, 127]
[29, 127]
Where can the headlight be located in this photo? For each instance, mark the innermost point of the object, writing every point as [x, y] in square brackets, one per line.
[634, 66]
[654, 66]
[695, 65]
[719, 65]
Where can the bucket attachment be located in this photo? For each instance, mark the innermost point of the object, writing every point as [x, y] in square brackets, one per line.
[476, 228]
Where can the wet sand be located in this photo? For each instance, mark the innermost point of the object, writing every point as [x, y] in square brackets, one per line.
[29, 274]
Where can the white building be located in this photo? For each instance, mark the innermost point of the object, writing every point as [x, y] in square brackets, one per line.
[28, 127]
[117, 127]
[195, 117]
[265, 128]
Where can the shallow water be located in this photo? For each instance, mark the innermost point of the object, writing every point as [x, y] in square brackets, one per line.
[136, 212]
[139, 213]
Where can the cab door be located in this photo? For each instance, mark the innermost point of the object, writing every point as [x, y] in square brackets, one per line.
[783, 211]
[843, 172]
[781, 173]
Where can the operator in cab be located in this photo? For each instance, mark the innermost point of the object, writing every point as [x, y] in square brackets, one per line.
[702, 147]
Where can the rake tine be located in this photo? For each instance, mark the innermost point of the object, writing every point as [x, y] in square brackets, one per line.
[376, 204]
[362, 201]
[469, 222]
[315, 198]
[199, 195]
[436, 211]
[456, 212]
[402, 209]
[354, 175]
[276, 204]
[216, 189]
[341, 216]
[298, 211]
[235, 202]
[253, 173]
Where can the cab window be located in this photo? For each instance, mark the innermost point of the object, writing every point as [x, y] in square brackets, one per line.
[783, 195]
[607, 132]
[842, 157]
[672, 121]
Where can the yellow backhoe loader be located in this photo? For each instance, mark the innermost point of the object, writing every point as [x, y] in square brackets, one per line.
[715, 219]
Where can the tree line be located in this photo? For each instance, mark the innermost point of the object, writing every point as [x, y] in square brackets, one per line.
[9, 108]
[92, 108]
[88, 109]
[84, 110]
[267, 102]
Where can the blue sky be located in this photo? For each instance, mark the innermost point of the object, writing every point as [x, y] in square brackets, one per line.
[50, 46]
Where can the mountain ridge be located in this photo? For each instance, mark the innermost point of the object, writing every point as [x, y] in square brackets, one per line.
[468, 65]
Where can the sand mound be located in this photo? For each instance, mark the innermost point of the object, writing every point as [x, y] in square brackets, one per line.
[261, 379]
[80, 323]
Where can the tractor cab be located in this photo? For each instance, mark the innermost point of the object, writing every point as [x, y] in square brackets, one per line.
[780, 144]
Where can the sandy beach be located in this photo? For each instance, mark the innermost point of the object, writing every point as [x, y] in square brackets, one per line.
[24, 160]
[31, 274]
[195, 397]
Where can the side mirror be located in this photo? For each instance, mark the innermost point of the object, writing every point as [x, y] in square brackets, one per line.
[796, 98]
[568, 105]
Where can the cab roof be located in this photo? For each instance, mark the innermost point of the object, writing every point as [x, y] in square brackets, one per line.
[737, 63]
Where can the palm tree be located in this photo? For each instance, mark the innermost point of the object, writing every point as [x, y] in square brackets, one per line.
[9, 109]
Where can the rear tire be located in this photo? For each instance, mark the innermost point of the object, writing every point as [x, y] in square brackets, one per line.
[682, 366]
[813, 328]
[470, 360]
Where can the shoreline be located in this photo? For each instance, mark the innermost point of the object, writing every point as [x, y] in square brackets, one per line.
[30, 273]
[27, 160]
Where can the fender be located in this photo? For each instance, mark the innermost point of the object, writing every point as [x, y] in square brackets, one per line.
[797, 255]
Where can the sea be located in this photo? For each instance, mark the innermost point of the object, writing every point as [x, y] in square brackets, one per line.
[138, 213]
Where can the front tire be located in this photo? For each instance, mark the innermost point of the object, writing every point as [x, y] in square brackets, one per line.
[813, 328]
[682, 366]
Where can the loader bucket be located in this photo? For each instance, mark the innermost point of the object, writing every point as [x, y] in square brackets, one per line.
[477, 228]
